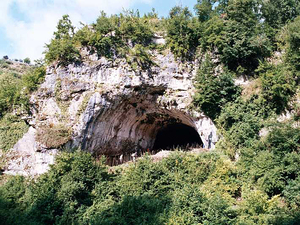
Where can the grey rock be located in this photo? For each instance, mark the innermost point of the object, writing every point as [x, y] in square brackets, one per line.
[110, 108]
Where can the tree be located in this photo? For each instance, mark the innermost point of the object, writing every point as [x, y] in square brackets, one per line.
[214, 90]
[277, 13]
[27, 60]
[244, 42]
[62, 47]
[182, 33]
[65, 29]
[291, 41]
[204, 9]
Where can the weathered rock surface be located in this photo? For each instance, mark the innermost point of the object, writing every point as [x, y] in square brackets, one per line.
[110, 109]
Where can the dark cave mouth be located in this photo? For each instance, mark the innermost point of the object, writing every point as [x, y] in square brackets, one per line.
[177, 135]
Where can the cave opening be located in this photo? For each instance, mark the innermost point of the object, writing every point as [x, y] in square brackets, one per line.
[177, 135]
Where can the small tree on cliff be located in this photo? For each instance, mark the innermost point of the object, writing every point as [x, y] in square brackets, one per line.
[62, 47]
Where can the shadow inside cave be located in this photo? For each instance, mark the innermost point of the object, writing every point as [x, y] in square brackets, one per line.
[177, 135]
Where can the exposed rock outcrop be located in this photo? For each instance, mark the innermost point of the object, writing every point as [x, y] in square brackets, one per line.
[109, 108]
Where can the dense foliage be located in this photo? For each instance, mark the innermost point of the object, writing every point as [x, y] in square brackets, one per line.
[252, 177]
[181, 189]
[17, 82]
[182, 33]
[214, 91]
[16, 85]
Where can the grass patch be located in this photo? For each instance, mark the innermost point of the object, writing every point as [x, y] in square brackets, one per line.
[253, 88]
[12, 128]
[53, 136]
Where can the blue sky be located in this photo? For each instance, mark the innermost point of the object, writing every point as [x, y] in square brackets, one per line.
[26, 25]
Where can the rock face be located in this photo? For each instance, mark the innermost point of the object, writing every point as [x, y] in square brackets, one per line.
[110, 109]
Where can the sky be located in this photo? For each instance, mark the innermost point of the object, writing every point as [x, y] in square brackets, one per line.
[27, 25]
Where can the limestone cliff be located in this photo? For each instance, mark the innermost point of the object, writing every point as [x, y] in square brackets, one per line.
[107, 108]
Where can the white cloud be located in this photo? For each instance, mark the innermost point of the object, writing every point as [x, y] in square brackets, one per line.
[28, 37]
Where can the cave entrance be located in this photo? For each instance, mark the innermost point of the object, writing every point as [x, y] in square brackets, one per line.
[177, 135]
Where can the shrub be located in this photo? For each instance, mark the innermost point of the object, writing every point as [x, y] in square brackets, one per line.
[212, 37]
[237, 36]
[257, 208]
[33, 79]
[62, 47]
[133, 210]
[11, 201]
[53, 136]
[292, 193]
[290, 36]
[139, 56]
[12, 128]
[64, 193]
[62, 51]
[182, 33]
[180, 189]
[134, 29]
[277, 13]
[271, 163]
[239, 123]
[278, 87]
[187, 206]
[10, 86]
[27, 60]
[214, 90]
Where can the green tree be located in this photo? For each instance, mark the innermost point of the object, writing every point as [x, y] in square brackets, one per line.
[182, 33]
[277, 13]
[214, 90]
[204, 9]
[290, 37]
[62, 47]
[278, 87]
[65, 29]
[33, 79]
[27, 60]
[244, 42]
[10, 92]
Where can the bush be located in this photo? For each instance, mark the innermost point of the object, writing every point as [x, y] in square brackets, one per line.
[278, 87]
[16, 88]
[237, 36]
[64, 193]
[283, 139]
[11, 201]
[62, 47]
[10, 92]
[140, 57]
[116, 35]
[183, 189]
[27, 60]
[212, 38]
[12, 128]
[244, 42]
[271, 162]
[33, 79]
[53, 136]
[240, 123]
[292, 193]
[134, 29]
[290, 36]
[257, 208]
[182, 33]
[62, 51]
[277, 13]
[214, 90]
